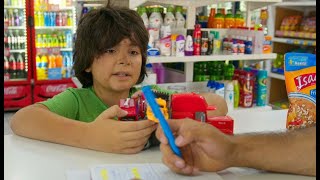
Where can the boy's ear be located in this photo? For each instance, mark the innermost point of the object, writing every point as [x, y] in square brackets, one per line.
[88, 69]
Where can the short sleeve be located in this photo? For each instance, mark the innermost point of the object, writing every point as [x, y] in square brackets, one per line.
[65, 104]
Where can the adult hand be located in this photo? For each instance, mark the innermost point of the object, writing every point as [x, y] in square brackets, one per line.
[110, 135]
[203, 147]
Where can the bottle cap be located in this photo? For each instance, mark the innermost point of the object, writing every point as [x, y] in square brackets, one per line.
[180, 37]
[189, 32]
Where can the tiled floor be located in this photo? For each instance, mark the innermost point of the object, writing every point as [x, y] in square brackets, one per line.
[6, 118]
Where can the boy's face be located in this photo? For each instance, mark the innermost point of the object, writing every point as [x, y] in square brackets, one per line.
[118, 69]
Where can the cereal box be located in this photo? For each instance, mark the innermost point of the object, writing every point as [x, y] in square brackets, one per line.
[300, 79]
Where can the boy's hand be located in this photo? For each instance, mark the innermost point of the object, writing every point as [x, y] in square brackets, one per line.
[110, 135]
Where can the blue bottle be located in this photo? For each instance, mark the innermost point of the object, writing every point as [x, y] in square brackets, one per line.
[262, 88]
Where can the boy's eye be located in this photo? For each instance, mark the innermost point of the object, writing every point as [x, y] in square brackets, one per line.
[110, 51]
[134, 52]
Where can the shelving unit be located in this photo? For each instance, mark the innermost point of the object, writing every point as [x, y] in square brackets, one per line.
[191, 15]
[276, 76]
[286, 42]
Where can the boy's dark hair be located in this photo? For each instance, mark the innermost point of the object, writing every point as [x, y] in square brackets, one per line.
[104, 28]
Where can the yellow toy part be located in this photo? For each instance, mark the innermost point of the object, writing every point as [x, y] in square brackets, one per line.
[163, 107]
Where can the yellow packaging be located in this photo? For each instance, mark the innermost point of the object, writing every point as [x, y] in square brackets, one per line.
[300, 79]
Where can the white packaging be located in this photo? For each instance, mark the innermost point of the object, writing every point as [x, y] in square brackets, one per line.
[220, 90]
[165, 46]
[189, 45]
[180, 21]
[165, 31]
[229, 95]
[170, 20]
[155, 20]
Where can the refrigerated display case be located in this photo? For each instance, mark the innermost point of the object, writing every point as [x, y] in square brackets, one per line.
[52, 46]
[17, 59]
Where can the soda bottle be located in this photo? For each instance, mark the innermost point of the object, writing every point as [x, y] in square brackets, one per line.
[219, 19]
[59, 19]
[40, 18]
[49, 41]
[6, 68]
[64, 41]
[11, 40]
[44, 41]
[59, 60]
[38, 67]
[12, 67]
[55, 41]
[44, 66]
[69, 20]
[60, 39]
[20, 66]
[64, 17]
[5, 41]
[52, 18]
[51, 61]
[6, 17]
[239, 20]
[68, 39]
[18, 39]
[11, 17]
[39, 41]
[16, 18]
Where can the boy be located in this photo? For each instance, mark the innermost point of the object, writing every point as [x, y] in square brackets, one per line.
[110, 57]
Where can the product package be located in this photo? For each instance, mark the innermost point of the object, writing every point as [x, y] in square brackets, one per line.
[300, 79]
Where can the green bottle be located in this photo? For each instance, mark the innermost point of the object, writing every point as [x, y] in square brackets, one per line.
[236, 91]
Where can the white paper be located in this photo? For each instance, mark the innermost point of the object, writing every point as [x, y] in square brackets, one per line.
[147, 171]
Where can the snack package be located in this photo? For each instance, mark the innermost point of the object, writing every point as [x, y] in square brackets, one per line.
[308, 25]
[290, 23]
[300, 79]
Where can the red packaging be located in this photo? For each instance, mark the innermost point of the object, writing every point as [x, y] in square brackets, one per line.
[247, 86]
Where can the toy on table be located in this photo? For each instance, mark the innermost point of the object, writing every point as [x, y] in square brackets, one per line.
[177, 106]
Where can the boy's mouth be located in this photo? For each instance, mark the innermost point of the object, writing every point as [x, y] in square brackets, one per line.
[121, 74]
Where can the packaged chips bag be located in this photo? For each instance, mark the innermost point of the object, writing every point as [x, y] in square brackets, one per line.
[300, 79]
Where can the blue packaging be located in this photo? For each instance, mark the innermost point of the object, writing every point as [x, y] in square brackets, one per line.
[262, 76]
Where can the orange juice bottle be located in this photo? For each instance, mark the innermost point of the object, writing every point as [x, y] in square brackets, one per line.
[239, 20]
[211, 17]
[52, 61]
[59, 61]
[229, 19]
[218, 20]
[44, 66]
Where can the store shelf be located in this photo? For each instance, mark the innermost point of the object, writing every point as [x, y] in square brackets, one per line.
[17, 50]
[276, 76]
[65, 49]
[252, 109]
[14, 7]
[252, 4]
[296, 3]
[53, 27]
[295, 41]
[295, 34]
[173, 59]
[92, 5]
[16, 27]
[66, 8]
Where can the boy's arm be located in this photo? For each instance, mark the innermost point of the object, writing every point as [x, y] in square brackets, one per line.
[290, 152]
[38, 122]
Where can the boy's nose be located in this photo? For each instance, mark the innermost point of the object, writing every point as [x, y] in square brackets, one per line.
[124, 60]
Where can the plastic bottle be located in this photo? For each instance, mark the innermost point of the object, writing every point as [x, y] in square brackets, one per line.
[188, 50]
[217, 43]
[236, 90]
[262, 88]
[229, 19]
[220, 89]
[169, 18]
[180, 44]
[180, 20]
[12, 67]
[204, 42]
[51, 61]
[20, 67]
[210, 43]
[155, 19]
[44, 41]
[11, 17]
[218, 20]
[211, 18]
[197, 39]
[59, 60]
[229, 95]
[69, 39]
[151, 77]
[39, 41]
[173, 44]
[248, 46]
[40, 18]
[70, 19]
[142, 11]
[16, 18]
[239, 20]
[6, 68]
[44, 66]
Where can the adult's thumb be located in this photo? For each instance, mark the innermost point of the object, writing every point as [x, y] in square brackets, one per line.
[112, 112]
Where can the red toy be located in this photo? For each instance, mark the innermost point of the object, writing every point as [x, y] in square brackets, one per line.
[183, 105]
[194, 106]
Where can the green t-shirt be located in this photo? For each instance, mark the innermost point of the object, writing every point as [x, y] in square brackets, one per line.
[77, 103]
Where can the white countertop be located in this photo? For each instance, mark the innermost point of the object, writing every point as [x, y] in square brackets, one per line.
[27, 159]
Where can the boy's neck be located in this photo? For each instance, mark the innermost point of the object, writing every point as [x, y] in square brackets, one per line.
[110, 98]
